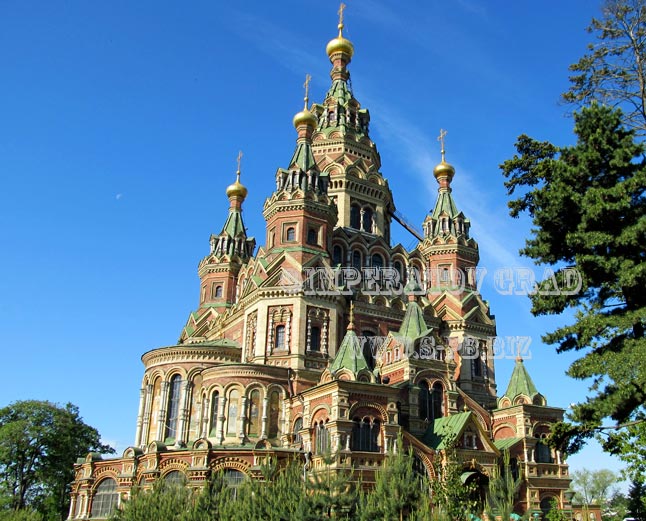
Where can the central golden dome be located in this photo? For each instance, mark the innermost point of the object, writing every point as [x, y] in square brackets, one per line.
[305, 117]
[340, 44]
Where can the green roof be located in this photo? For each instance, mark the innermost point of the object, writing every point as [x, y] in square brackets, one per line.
[506, 443]
[413, 326]
[445, 430]
[303, 157]
[520, 383]
[350, 355]
[234, 226]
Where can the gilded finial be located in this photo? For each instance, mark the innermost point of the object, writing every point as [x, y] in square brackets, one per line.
[440, 138]
[351, 322]
[237, 189]
[341, 9]
[308, 78]
[518, 357]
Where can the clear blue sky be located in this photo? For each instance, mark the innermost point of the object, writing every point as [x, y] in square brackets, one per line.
[120, 123]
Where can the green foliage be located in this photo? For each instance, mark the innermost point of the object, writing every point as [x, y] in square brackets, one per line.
[169, 502]
[588, 206]
[331, 494]
[21, 515]
[593, 486]
[399, 492]
[452, 499]
[503, 490]
[39, 443]
[637, 500]
[613, 71]
[556, 514]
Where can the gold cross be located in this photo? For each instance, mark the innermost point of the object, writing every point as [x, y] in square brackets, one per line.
[239, 159]
[351, 307]
[440, 138]
[308, 78]
[340, 11]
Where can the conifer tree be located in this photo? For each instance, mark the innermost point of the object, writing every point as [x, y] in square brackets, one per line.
[637, 500]
[503, 490]
[588, 206]
[399, 492]
[451, 498]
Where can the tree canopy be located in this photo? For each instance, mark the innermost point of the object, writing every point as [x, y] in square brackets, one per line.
[39, 443]
[588, 207]
[613, 71]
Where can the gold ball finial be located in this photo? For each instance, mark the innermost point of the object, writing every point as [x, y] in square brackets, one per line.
[305, 117]
[237, 189]
[340, 44]
[443, 169]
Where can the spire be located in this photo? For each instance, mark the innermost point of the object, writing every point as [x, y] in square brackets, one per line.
[445, 218]
[521, 385]
[305, 122]
[349, 357]
[232, 240]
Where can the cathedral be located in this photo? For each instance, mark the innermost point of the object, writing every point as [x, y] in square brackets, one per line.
[327, 342]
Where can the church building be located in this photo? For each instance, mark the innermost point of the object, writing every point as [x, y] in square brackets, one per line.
[325, 341]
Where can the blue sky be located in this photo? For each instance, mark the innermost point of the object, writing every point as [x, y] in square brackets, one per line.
[120, 123]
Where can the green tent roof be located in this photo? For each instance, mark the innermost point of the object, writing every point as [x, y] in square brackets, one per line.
[413, 326]
[444, 430]
[520, 383]
[506, 443]
[350, 355]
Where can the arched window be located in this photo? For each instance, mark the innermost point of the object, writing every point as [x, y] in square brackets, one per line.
[218, 292]
[437, 401]
[232, 416]
[175, 477]
[173, 407]
[377, 261]
[424, 401]
[355, 216]
[274, 414]
[215, 402]
[337, 255]
[546, 505]
[312, 237]
[322, 438]
[356, 260]
[400, 269]
[543, 453]
[254, 416]
[367, 219]
[280, 337]
[315, 339]
[105, 498]
[365, 434]
[291, 234]
[233, 479]
[298, 426]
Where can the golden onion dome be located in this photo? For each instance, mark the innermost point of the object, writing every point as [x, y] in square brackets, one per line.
[444, 169]
[340, 44]
[237, 189]
[305, 117]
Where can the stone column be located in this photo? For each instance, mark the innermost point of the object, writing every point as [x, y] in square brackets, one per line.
[72, 507]
[242, 418]
[219, 428]
[265, 412]
[147, 415]
[184, 406]
[140, 415]
[163, 404]
[206, 417]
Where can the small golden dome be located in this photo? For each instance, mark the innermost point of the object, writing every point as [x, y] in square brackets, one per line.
[444, 169]
[340, 44]
[237, 189]
[305, 117]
